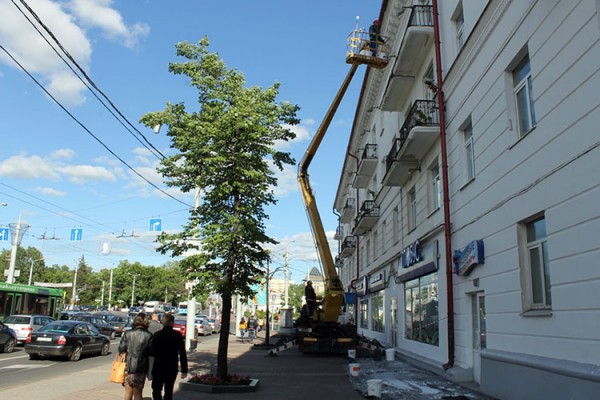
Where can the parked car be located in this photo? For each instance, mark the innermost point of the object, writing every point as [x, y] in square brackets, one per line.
[8, 339]
[23, 325]
[70, 339]
[180, 326]
[133, 311]
[203, 327]
[103, 327]
[215, 325]
[116, 321]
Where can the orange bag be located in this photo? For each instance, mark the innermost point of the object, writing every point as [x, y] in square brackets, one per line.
[117, 371]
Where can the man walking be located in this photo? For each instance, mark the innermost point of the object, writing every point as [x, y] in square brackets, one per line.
[167, 348]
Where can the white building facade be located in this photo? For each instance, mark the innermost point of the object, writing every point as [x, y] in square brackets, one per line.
[471, 236]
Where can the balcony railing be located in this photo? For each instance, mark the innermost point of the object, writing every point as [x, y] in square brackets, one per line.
[422, 113]
[348, 246]
[348, 210]
[339, 233]
[366, 167]
[367, 218]
[421, 16]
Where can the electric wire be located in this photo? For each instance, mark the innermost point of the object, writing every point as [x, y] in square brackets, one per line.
[87, 130]
[148, 145]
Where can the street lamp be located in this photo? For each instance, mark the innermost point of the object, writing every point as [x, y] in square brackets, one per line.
[31, 269]
[16, 232]
[132, 288]
[269, 276]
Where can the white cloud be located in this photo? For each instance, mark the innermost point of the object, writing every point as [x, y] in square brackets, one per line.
[63, 154]
[100, 14]
[23, 167]
[36, 167]
[50, 191]
[86, 173]
[302, 134]
[67, 22]
[286, 181]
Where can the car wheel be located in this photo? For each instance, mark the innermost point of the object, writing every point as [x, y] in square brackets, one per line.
[113, 335]
[105, 349]
[9, 346]
[76, 354]
[34, 356]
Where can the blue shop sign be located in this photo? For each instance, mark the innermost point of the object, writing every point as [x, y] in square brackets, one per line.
[411, 254]
[466, 259]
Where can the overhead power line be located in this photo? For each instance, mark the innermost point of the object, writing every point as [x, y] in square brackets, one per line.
[85, 128]
[148, 145]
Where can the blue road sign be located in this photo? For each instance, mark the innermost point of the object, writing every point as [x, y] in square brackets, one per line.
[76, 234]
[155, 224]
[3, 233]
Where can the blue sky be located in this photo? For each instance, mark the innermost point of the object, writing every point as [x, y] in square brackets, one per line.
[57, 177]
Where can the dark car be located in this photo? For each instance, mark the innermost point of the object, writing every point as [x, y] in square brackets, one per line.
[180, 325]
[104, 327]
[70, 339]
[8, 339]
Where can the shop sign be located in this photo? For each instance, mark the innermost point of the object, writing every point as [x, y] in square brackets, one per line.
[411, 254]
[466, 259]
[377, 282]
[361, 287]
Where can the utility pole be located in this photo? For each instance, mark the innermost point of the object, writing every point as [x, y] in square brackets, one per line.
[102, 298]
[73, 296]
[133, 289]
[110, 290]
[287, 279]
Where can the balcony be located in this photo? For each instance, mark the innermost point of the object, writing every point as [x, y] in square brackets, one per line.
[348, 246]
[419, 35]
[366, 219]
[338, 262]
[366, 167]
[416, 136]
[348, 211]
[339, 233]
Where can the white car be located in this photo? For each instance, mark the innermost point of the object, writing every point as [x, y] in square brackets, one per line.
[23, 325]
[203, 327]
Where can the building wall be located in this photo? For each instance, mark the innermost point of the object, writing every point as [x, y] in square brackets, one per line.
[551, 171]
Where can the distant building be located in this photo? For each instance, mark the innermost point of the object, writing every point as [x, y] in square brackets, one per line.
[317, 279]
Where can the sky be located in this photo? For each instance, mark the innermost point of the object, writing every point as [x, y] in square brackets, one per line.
[67, 163]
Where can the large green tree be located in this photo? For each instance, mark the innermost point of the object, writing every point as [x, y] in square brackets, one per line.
[226, 150]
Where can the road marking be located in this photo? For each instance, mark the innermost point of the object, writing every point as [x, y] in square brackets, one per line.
[14, 358]
[26, 366]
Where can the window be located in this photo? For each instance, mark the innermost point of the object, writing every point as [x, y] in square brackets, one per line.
[377, 314]
[364, 314]
[421, 309]
[535, 265]
[435, 198]
[459, 25]
[376, 248]
[469, 151]
[523, 92]
[412, 209]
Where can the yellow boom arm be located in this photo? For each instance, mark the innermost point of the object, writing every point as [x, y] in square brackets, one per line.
[334, 292]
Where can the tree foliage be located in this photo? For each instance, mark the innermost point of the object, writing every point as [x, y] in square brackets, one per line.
[226, 149]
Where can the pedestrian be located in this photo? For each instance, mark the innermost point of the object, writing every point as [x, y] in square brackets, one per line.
[168, 350]
[136, 343]
[243, 328]
[311, 299]
[374, 38]
[252, 326]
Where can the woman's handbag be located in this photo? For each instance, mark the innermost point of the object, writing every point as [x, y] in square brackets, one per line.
[117, 371]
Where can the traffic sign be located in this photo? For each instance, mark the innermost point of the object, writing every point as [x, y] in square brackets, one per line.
[3, 233]
[155, 224]
[76, 234]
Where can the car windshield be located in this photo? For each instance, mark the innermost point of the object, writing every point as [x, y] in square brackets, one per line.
[59, 328]
[17, 319]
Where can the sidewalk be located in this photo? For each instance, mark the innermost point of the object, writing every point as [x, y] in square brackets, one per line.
[291, 375]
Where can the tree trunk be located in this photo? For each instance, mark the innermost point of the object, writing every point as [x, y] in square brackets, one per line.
[224, 336]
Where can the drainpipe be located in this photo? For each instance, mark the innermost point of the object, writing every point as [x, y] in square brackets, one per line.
[447, 225]
[357, 250]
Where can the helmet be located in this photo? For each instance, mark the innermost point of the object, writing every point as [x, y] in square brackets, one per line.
[376, 22]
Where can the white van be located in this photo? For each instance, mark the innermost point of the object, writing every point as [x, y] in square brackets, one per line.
[151, 306]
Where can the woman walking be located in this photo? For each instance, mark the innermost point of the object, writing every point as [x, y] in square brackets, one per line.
[136, 343]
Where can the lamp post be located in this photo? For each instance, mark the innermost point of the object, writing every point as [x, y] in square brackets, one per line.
[267, 320]
[133, 289]
[16, 232]
[31, 269]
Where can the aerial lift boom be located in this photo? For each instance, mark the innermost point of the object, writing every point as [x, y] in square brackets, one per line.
[324, 324]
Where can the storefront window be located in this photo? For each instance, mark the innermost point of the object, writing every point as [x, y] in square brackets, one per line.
[364, 314]
[421, 313]
[377, 319]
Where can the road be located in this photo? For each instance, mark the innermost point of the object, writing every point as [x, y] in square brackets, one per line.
[45, 379]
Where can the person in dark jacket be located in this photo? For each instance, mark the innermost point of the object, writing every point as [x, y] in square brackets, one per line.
[167, 346]
[136, 343]
[375, 39]
[311, 298]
